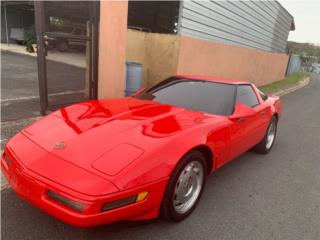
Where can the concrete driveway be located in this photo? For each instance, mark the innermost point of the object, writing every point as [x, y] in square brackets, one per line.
[274, 196]
[20, 94]
[71, 57]
[19, 85]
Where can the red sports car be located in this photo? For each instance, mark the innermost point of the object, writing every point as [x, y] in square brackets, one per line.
[139, 157]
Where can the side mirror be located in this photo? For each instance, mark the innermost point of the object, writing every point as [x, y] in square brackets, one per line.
[242, 111]
[138, 92]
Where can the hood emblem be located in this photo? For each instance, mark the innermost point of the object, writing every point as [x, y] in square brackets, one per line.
[59, 145]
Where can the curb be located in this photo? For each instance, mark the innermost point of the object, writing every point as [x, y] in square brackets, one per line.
[300, 84]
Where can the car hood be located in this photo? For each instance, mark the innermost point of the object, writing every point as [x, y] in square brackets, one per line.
[95, 134]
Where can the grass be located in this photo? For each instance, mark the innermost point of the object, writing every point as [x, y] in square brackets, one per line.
[285, 83]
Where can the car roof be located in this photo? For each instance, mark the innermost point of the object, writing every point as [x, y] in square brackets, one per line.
[212, 79]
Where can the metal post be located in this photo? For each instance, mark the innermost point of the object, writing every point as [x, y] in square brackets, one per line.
[288, 64]
[88, 66]
[41, 55]
[94, 18]
[6, 22]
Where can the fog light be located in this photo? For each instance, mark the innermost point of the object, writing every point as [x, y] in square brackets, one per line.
[124, 201]
[65, 201]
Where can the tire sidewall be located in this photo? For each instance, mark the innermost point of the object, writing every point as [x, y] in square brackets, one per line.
[168, 209]
[273, 120]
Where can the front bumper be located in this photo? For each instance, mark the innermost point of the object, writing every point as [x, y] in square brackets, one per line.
[34, 190]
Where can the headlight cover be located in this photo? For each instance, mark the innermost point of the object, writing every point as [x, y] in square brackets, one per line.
[65, 201]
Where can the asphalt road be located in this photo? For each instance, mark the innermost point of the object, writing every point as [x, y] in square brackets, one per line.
[274, 196]
[19, 85]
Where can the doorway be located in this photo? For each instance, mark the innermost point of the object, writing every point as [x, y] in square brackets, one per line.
[67, 52]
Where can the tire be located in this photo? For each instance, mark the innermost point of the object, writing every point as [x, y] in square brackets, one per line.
[62, 46]
[265, 145]
[171, 208]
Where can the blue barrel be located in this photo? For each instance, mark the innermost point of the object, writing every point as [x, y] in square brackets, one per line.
[134, 76]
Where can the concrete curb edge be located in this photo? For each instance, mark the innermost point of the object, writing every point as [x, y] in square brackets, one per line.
[304, 82]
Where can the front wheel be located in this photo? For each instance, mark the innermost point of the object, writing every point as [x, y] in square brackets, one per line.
[267, 142]
[185, 187]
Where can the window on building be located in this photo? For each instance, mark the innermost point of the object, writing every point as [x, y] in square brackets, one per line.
[153, 16]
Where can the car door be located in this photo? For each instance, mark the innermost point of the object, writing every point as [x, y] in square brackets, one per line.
[246, 132]
[264, 115]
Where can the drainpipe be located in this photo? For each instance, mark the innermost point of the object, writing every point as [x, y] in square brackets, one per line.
[288, 64]
[6, 22]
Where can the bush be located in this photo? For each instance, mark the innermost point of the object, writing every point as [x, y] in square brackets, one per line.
[30, 39]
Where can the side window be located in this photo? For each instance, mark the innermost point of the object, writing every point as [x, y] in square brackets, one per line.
[247, 96]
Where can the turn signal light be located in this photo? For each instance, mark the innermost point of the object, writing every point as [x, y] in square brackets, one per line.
[142, 196]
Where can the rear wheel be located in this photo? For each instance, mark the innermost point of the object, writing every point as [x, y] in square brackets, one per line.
[267, 142]
[185, 187]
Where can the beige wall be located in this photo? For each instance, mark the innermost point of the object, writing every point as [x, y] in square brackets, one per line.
[112, 48]
[208, 58]
[164, 55]
[157, 52]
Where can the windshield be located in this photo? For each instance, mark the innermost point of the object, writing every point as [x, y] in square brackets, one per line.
[202, 96]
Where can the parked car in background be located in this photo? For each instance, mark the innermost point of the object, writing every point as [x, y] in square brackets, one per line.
[139, 157]
[63, 41]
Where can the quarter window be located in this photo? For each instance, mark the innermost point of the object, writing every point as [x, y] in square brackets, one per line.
[263, 96]
[247, 96]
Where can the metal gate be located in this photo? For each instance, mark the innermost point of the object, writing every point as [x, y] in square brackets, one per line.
[67, 52]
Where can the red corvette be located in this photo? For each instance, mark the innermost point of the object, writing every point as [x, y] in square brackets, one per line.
[139, 157]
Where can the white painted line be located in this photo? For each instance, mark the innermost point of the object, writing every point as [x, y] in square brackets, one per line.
[36, 97]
